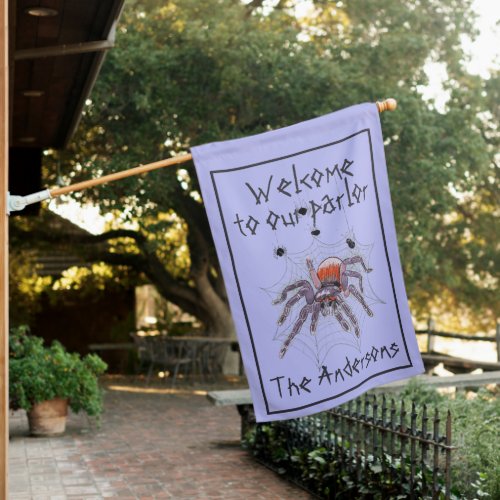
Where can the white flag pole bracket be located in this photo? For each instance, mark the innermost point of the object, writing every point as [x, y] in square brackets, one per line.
[16, 203]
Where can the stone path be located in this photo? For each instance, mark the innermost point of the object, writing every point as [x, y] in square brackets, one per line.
[150, 445]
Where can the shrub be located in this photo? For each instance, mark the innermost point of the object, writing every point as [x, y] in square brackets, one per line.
[475, 465]
[38, 373]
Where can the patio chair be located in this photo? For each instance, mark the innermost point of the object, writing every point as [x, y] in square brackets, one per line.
[213, 358]
[157, 351]
[175, 356]
[142, 349]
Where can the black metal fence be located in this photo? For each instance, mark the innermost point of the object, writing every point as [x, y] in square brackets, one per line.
[371, 440]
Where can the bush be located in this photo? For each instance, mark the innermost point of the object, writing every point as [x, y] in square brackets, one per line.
[475, 465]
[332, 473]
[38, 373]
[476, 434]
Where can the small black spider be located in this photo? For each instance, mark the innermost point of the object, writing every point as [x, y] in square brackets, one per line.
[280, 251]
[350, 243]
[302, 211]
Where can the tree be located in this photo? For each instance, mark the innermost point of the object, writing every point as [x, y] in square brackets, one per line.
[188, 72]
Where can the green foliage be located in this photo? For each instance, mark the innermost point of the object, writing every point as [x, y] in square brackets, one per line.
[189, 72]
[38, 373]
[25, 286]
[333, 472]
[29, 292]
[421, 394]
[476, 434]
[475, 465]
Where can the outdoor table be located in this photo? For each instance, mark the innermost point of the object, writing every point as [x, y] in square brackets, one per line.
[202, 350]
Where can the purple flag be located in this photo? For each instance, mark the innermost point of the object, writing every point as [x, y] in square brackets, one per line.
[303, 226]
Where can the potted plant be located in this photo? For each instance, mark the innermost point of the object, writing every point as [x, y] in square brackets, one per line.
[45, 380]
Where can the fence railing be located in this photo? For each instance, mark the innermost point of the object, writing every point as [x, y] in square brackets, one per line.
[432, 333]
[372, 440]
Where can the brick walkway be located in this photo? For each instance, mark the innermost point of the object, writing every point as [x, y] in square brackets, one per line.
[150, 445]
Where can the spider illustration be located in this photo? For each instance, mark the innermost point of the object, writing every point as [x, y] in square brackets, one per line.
[331, 281]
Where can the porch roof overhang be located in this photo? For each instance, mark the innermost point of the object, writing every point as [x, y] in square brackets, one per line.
[57, 48]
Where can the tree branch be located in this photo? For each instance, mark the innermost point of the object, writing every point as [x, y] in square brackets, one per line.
[118, 233]
[135, 261]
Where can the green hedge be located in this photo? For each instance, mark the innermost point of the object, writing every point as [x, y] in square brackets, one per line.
[332, 473]
[475, 464]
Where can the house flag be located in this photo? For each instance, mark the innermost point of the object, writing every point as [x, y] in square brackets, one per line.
[304, 230]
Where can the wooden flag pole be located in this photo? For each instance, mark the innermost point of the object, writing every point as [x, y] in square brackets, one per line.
[120, 175]
[19, 202]
[387, 105]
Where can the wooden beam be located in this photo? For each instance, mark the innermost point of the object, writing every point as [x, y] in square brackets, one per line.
[4, 248]
[460, 363]
[63, 50]
[461, 336]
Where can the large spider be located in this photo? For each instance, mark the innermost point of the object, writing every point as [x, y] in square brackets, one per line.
[331, 281]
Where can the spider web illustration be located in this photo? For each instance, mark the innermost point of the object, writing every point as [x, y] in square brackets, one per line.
[329, 333]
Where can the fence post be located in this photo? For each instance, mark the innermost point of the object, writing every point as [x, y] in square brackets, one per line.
[448, 456]
[431, 326]
[498, 341]
[435, 468]
[248, 422]
[366, 445]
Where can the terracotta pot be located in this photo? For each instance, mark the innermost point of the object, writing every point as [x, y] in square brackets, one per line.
[48, 417]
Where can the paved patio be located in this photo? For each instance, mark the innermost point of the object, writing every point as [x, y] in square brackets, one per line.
[153, 443]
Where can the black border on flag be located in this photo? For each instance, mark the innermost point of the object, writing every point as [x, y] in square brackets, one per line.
[212, 175]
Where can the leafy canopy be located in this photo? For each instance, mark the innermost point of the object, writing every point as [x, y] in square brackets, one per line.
[186, 72]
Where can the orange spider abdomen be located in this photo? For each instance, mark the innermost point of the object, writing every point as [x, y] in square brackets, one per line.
[329, 271]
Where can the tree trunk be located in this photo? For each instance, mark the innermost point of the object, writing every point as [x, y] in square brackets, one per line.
[221, 322]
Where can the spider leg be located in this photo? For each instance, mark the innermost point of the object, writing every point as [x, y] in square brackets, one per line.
[350, 315]
[304, 312]
[344, 281]
[316, 308]
[312, 272]
[357, 260]
[298, 284]
[353, 274]
[325, 311]
[331, 309]
[361, 300]
[289, 305]
[340, 318]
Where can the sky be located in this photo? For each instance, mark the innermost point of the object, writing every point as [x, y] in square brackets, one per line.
[486, 48]
[484, 52]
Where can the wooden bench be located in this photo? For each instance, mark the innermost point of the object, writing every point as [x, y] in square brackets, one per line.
[242, 400]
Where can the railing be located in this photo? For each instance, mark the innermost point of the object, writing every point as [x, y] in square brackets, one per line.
[372, 441]
[432, 333]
